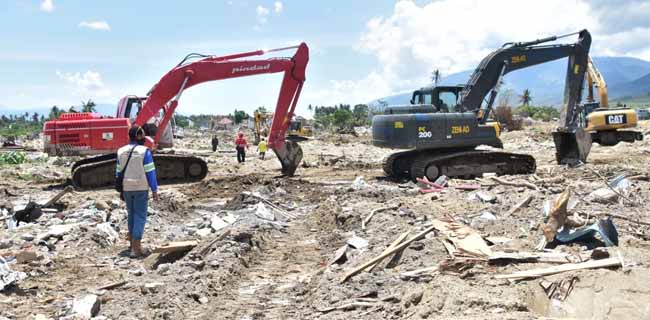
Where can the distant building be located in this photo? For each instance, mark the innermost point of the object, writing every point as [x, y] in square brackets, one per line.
[224, 123]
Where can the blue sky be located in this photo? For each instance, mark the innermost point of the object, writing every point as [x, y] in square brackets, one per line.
[58, 52]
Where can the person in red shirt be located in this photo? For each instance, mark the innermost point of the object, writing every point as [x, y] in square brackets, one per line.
[241, 145]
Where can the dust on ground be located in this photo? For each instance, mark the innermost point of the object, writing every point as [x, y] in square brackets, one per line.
[265, 244]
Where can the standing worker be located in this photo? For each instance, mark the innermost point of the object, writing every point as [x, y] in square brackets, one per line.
[135, 165]
[215, 142]
[241, 145]
[261, 148]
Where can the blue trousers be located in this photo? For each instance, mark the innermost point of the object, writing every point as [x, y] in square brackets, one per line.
[136, 206]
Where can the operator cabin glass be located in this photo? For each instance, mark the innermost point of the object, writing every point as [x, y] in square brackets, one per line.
[449, 100]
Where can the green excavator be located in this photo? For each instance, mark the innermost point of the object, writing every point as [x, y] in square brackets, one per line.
[443, 125]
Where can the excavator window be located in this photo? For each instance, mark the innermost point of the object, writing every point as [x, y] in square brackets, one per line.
[448, 101]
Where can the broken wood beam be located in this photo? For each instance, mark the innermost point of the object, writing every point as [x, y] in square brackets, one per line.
[113, 285]
[534, 273]
[365, 221]
[390, 247]
[58, 197]
[515, 184]
[176, 246]
[206, 249]
[529, 197]
[387, 253]
[419, 272]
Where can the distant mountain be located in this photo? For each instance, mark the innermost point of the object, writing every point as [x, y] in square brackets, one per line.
[640, 86]
[624, 76]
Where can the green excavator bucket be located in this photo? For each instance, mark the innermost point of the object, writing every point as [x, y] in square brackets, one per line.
[290, 156]
[572, 146]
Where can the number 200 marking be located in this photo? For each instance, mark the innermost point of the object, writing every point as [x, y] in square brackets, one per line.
[425, 134]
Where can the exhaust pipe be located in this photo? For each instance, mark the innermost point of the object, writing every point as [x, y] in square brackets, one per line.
[572, 147]
[290, 155]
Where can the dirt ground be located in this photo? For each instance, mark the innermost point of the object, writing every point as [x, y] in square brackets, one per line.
[274, 258]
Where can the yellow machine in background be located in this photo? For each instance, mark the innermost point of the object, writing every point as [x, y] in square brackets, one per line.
[298, 128]
[262, 125]
[603, 123]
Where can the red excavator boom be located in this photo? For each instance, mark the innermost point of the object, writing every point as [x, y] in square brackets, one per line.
[65, 136]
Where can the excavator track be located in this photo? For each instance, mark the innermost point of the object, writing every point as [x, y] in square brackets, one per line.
[457, 164]
[99, 172]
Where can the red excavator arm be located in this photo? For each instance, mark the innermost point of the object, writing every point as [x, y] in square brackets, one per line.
[166, 93]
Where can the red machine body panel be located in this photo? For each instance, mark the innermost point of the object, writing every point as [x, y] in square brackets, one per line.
[84, 134]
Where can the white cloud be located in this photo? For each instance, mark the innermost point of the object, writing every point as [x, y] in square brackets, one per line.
[454, 35]
[47, 5]
[277, 7]
[95, 25]
[88, 83]
[262, 14]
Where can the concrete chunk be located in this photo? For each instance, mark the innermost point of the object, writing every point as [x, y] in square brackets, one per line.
[86, 307]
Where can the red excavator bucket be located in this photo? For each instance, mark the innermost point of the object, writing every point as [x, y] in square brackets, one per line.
[290, 155]
[572, 147]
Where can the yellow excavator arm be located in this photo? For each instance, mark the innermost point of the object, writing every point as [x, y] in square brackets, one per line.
[595, 78]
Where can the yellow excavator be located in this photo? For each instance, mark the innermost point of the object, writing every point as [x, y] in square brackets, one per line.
[297, 131]
[603, 123]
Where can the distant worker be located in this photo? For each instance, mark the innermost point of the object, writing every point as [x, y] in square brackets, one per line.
[135, 165]
[241, 145]
[261, 148]
[215, 142]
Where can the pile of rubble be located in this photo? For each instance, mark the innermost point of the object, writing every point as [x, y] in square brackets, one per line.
[337, 241]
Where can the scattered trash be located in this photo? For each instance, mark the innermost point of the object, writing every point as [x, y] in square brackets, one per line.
[357, 242]
[485, 196]
[604, 228]
[359, 184]
[9, 277]
[558, 290]
[262, 212]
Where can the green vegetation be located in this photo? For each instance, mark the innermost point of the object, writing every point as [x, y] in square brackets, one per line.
[544, 113]
[341, 116]
[21, 125]
[12, 158]
[240, 116]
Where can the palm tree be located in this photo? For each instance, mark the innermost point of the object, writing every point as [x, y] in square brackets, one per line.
[88, 106]
[526, 98]
[435, 76]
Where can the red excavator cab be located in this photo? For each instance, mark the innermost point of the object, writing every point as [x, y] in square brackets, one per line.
[84, 133]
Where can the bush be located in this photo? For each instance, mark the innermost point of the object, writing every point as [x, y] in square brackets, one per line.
[505, 117]
[12, 157]
[544, 113]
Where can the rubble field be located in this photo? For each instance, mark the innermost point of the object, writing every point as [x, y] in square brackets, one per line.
[245, 243]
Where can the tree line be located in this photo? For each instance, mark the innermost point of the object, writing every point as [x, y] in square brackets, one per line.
[341, 116]
[28, 124]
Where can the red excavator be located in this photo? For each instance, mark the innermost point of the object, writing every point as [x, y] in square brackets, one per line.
[81, 134]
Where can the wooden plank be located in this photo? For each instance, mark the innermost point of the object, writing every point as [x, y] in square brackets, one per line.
[547, 257]
[113, 285]
[176, 246]
[365, 221]
[382, 256]
[529, 197]
[391, 246]
[534, 273]
[464, 238]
